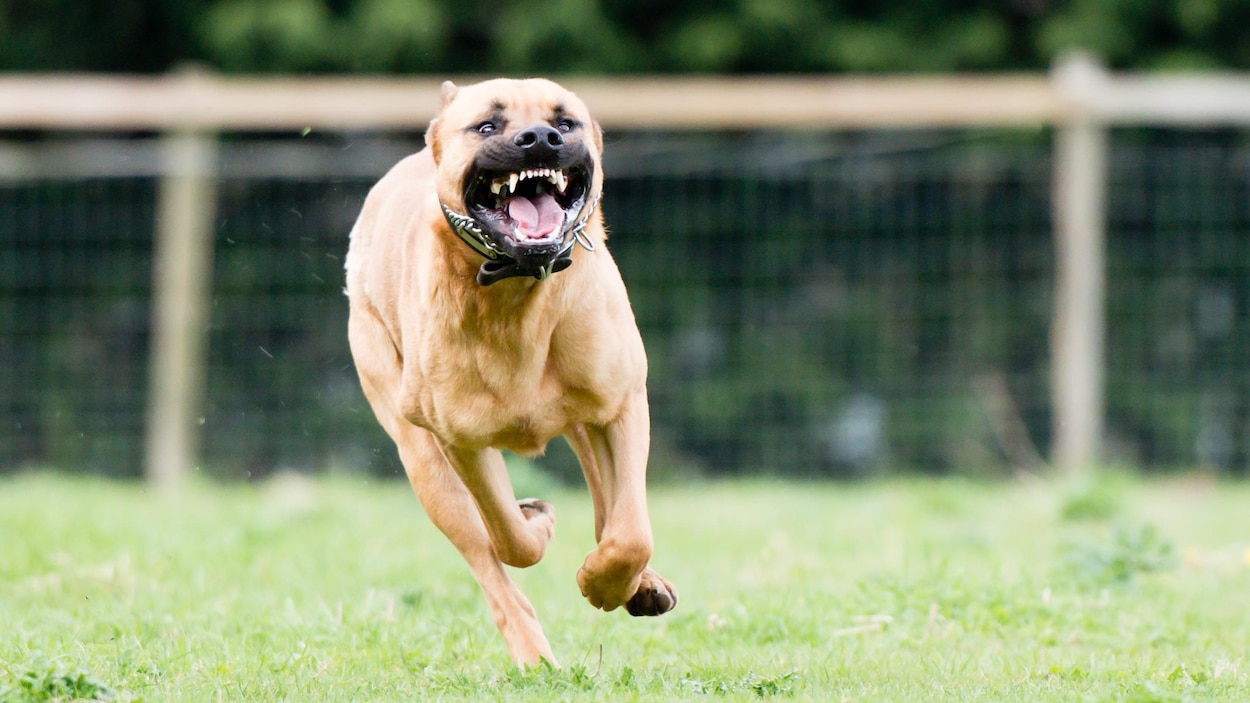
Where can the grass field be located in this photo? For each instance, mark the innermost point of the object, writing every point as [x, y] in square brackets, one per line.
[338, 589]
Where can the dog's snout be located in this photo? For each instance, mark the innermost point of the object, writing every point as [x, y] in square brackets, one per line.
[539, 140]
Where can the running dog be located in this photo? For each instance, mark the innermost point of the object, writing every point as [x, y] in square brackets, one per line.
[486, 314]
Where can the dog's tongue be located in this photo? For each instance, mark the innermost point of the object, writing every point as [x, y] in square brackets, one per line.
[536, 218]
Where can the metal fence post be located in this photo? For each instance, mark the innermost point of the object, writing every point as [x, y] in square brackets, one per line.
[1078, 327]
[182, 271]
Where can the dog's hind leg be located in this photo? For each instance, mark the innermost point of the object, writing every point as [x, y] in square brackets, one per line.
[614, 460]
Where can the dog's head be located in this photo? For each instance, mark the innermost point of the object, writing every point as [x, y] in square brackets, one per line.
[521, 159]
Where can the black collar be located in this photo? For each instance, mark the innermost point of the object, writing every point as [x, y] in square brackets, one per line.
[498, 264]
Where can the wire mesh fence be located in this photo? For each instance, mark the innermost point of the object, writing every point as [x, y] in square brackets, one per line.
[813, 304]
[839, 304]
[1179, 299]
[75, 258]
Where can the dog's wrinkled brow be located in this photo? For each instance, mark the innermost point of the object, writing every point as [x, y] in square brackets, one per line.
[559, 111]
[495, 114]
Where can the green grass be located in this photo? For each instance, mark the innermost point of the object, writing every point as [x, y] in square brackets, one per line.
[909, 590]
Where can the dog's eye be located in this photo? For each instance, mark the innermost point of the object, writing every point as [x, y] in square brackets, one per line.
[566, 125]
[486, 128]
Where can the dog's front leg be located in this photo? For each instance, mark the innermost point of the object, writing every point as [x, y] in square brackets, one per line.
[614, 460]
[519, 530]
[454, 510]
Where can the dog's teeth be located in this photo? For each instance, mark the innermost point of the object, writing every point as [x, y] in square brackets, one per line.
[496, 186]
[560, 181]
[512, 180]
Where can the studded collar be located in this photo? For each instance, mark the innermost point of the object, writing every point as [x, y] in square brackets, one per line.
[499, 265]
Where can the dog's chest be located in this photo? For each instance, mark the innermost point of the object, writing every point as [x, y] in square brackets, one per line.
[520, 401]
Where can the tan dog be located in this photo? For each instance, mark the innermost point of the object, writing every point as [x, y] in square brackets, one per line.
[470, 336]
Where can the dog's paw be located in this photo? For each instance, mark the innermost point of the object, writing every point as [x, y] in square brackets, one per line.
[655, 596]
[540, 514]
[534, 505]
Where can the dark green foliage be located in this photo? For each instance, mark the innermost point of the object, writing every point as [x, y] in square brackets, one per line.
[615, 36]
[100, 35]
[53, 682]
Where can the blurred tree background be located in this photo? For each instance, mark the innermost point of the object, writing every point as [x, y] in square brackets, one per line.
[616, 36]
[817, 304]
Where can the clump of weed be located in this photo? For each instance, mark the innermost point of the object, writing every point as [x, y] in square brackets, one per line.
[1131, 551]
[1095, 498]
[1182, 684]
[51, 682]
[1091, 503]
[782, 685]
[762, 686]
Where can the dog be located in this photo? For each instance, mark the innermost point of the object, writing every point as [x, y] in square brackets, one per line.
[487, 314]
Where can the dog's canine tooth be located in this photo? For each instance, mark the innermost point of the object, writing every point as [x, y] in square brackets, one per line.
[560, 181]
[512, 181]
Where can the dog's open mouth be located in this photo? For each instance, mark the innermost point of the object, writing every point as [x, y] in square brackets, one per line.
[528, 210]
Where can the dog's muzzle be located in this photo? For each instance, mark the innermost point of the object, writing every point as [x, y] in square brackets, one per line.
[527, 200]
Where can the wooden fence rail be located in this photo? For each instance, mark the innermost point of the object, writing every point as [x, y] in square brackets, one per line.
[196, 100]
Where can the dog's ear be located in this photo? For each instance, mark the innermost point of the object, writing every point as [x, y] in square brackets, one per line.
[449, 91]
[431, 139]
[598, 132]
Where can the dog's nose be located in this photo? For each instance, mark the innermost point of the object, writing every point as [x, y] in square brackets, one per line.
[539, 141]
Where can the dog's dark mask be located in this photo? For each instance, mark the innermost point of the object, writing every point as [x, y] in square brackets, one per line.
[526, 202]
